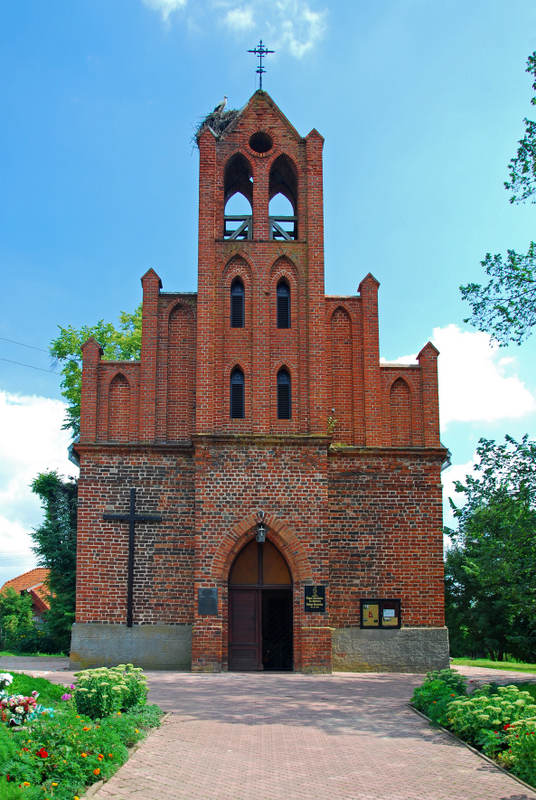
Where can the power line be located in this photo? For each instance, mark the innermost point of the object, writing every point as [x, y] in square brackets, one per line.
[50, 371]
[3, 338]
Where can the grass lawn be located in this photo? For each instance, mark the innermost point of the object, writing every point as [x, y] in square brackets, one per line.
[7, 654]
[511, 666]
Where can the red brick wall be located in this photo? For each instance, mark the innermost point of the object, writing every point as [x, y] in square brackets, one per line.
[385, 512]
[163, 574]
[234, 480]
[363, 518]
[260, 349]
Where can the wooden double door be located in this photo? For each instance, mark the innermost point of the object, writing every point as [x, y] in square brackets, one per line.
[260, 610]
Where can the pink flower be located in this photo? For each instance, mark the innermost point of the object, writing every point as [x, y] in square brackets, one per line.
[66, 696]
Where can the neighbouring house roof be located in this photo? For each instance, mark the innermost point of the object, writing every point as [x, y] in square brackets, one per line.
[34, 583]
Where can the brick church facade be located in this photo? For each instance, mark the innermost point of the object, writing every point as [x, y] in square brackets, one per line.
[293, 480]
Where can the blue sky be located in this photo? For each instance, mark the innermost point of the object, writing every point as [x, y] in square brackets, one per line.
[421, 104]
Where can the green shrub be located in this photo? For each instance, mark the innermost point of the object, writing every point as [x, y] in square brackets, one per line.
[132, 726]
[437, 691]
[103, 691]
[520, 753]
[432, 698]
[484, 718]
[456, 682]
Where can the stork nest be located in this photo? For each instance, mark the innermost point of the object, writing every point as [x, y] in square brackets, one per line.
[217, 122]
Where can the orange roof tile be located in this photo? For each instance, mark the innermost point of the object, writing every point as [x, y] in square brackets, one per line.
[34, 579]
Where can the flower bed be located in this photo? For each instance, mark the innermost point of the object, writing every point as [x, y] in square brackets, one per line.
[57, 751]
[499, 721]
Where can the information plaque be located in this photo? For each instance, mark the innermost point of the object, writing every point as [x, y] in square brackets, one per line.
[207, 601]
[315, 598]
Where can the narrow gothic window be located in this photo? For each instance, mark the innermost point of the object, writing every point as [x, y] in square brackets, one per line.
[283, 305]
[237, 394]
[237, 304]
[284, 404]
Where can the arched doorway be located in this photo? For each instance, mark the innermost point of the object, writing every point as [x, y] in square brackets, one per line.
[260, 610]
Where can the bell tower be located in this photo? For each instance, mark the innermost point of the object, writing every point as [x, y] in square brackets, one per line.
[261, 365]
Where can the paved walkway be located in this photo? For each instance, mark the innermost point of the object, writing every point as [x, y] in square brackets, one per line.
[299, 737]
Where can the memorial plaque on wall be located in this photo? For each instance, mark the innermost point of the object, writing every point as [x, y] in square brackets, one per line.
[315, 598]
[207, 601]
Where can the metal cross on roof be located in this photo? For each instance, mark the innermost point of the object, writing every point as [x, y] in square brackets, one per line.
[260, 51]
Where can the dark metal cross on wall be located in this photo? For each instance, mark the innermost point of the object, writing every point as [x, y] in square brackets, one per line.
[131, 518]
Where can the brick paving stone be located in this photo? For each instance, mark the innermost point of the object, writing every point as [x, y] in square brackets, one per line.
[346, 736]
[290, 736]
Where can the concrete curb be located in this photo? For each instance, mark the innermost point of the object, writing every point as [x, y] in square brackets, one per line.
[94, 788]
[473, 749]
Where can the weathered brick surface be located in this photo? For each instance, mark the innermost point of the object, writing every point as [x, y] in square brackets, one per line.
[386, 537]
[164, 551]
[362, 517]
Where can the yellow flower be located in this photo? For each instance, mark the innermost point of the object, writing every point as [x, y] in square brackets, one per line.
[136, 730]
[25, 783]
[53, 784]
[76, 797]
[118, 713]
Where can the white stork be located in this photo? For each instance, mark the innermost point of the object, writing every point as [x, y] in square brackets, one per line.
[219, 108]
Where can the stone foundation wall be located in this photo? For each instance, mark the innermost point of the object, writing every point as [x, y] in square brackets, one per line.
[158, 647]
[402, 650]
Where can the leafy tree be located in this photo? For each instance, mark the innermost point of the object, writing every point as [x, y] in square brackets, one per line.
[506, 305]
[15, 617]
[121, 343]
[489, 585]
[55, 546]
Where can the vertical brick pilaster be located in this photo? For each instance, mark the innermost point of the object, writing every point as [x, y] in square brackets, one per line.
[92, 354]
[427, 359]
[151, 288]
[316, 649]
[210, 215]
[368, 289]
[317, 395]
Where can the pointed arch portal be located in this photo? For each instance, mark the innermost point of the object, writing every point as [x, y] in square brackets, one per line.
[260, 610]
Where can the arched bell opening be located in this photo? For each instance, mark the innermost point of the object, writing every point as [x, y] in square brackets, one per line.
[283, 197]
[238, 199]
[260, 610]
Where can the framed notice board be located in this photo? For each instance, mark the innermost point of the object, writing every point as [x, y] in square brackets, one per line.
[380, 613]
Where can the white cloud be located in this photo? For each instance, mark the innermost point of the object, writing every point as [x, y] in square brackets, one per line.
[31, 441]
[240, 19]
[456, 472]
[301, 27]
[165, 7]
[290, 25]
[475, 382]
